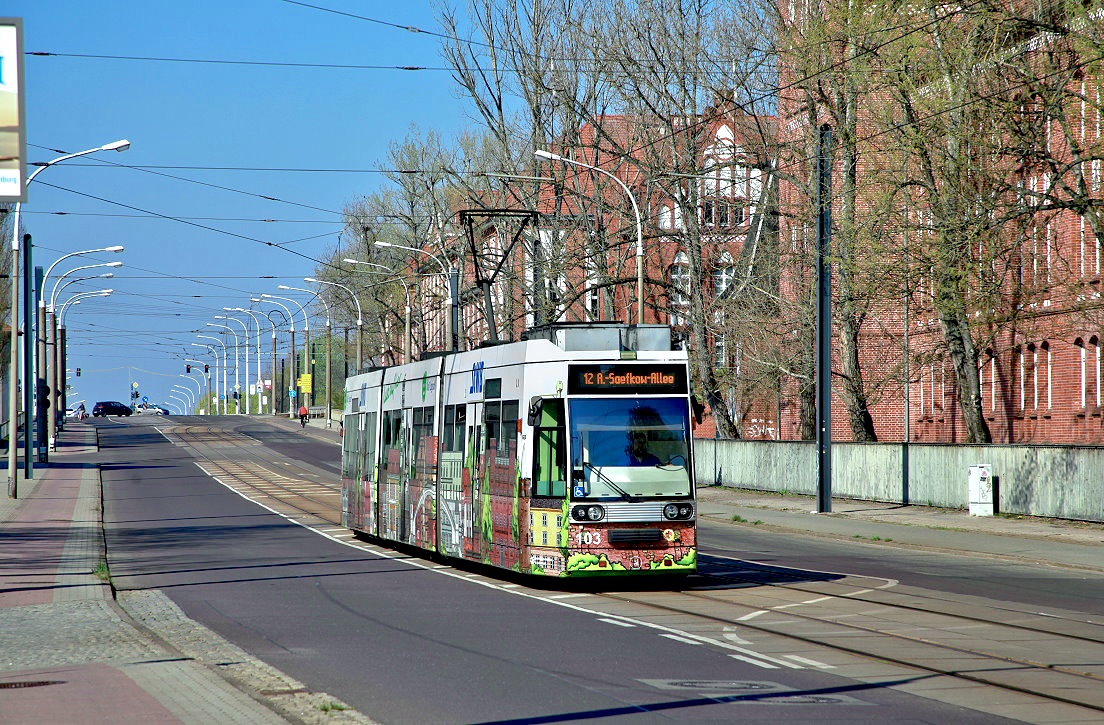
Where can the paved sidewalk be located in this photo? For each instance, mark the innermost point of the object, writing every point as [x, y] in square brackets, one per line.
[69, 653]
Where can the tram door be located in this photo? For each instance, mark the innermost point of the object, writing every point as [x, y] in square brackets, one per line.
[453, 511]
[391, 479]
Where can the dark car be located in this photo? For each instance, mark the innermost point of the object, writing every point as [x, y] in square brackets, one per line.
[110, 407]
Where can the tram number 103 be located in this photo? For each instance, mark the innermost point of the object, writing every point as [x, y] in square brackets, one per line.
[588, 538]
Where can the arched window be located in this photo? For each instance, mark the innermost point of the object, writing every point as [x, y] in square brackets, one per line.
[1045, 361]
[679, 290]
[724, 187]
[1082, 359]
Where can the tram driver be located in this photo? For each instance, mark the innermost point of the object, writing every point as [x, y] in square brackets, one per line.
[638, 452]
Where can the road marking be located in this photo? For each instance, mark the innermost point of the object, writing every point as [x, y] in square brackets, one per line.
[757, 663]
[677, 638]
[753, 615]
[731, 636]
[801, 604]
[809, 662]
[615, 621]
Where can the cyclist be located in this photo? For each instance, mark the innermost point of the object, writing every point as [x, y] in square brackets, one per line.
[303, 413]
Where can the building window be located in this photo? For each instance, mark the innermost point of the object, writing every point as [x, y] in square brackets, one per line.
[1047, 374]
[724, 183]
[723, 274]
[679, 292]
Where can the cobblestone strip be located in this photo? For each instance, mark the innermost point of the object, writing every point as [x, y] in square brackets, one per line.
[291, 698]
[82, 572]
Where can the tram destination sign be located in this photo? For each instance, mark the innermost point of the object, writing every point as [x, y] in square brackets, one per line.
[626, 379]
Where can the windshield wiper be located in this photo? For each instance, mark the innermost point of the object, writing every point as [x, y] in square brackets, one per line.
[606, 480]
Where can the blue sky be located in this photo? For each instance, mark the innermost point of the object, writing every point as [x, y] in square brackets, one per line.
[194, 238]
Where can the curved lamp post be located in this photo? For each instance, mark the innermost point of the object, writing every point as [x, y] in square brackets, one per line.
[56, 336]
[245, 333]
[294, 361]
[237, 369]
[206, 379]
[406, 289]
[306, 344]
[450, 332]
[267, 315]
[13, 368]
[225, 396]
[329, 335]
[359, 321]
[639, 224]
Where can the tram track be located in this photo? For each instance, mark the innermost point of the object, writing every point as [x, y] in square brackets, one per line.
[855, 616]
[827, 624]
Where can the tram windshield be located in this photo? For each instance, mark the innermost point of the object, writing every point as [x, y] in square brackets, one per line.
[629, 447]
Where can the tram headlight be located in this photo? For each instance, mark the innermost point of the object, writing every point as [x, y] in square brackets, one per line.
[678, 511]
[588, 513]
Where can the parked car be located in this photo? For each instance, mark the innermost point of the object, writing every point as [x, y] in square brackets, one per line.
[110, 407]
[150, 409]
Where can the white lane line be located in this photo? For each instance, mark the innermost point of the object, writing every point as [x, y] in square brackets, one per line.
[615, 621]
[802, 604]
[686, 640]
[757, 663]
[858, 593]
[809, 662]
[753, 615]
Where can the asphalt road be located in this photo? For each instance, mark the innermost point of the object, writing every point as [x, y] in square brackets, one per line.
[404, 642]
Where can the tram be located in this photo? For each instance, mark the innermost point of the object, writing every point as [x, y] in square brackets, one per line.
[567, 454]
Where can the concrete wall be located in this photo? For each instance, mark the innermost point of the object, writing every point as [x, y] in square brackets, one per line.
[1057, 481]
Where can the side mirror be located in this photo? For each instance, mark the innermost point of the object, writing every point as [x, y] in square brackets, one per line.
[534, 414]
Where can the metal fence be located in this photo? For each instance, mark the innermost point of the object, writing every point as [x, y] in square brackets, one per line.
[1064, 482]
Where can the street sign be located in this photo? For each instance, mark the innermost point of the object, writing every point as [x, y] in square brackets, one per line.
[291, 392]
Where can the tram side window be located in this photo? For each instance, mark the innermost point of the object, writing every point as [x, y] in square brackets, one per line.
[422, 429]
[452, 428]
[500, 427]
[392, 436]
[550, 461]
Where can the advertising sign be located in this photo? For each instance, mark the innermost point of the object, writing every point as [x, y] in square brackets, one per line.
[13, 147]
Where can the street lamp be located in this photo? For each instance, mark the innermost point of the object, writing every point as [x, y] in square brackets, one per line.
[292, 389]
[48, 362]
[206, 379]
[237, 345]
[406, 288]
[329, 338]
[450, 295]
[13, 368]
[360, 317]
[245, 332]
[268, 316]
[260, 383]
[639, 225]
[225, 396]
[199, 389]
[56, 337]
[306, 345]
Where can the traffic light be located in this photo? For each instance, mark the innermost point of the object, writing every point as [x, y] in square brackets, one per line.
[187, 368]
[78, 372]
[206, 368]
[43, 392]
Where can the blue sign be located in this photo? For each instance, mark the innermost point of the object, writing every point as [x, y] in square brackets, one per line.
[292, 392]
[578, 491]
[145, 398]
